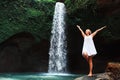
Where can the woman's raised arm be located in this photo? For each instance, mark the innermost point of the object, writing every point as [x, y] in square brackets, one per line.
[83, 34]
[94, 33]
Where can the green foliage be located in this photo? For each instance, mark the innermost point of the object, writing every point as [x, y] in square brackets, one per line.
[35, 16]
[73, 5]
[81, 12]
[26, 15]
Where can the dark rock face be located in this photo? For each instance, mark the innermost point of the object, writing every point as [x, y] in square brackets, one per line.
[37, 57]
[20, 53]
[108, 7]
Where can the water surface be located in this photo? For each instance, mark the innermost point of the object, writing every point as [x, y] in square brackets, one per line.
[37, 76]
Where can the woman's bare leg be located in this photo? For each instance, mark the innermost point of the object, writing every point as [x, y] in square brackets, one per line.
[90, 66]
[90, 62]
[85, 56]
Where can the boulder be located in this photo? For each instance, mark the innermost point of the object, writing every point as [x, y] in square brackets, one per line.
[112, 72]
[101, 76]
[114, 69]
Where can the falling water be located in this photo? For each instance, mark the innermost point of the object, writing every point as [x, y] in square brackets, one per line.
[57, 53]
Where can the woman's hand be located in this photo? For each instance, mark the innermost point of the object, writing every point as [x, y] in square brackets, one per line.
[104, 27]
[78, 26]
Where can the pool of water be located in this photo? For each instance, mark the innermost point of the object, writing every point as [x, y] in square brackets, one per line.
[38, 76]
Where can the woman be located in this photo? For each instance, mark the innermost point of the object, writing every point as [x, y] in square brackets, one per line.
[89, 49]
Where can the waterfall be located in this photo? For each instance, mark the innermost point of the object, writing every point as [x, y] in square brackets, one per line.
[57, 52]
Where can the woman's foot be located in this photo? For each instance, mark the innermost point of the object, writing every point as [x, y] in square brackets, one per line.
[90, 75]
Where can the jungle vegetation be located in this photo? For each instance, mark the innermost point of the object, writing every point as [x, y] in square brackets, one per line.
[35, 16]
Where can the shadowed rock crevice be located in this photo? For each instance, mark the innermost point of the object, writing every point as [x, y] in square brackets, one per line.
[21, 53]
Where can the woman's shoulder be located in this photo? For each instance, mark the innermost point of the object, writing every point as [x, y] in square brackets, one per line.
[91, 36]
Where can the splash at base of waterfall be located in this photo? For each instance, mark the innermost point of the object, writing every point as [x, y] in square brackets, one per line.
[57, 52]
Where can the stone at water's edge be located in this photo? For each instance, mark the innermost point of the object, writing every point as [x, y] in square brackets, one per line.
[112, 73]
[102, 76]
[114, 69]
[86, 78]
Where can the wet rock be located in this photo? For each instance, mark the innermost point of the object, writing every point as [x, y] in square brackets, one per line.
[112, 73]
[102, 76]
[114, 69]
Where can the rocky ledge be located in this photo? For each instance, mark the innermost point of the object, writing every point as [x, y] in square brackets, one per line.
[101, 76]
[112, 72]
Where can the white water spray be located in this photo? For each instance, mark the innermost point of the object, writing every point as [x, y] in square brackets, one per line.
[57, 52]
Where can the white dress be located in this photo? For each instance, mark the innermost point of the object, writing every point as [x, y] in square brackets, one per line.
[88, 46]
